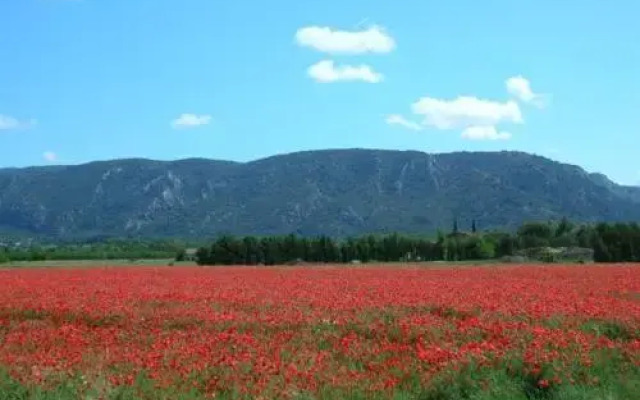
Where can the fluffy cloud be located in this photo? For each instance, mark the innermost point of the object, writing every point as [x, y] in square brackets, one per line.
[328, 40]
[484, 133]
[520, 88]
[50, 156]
[327, 71]
[396, 119]
[477, 118]
[190, 121]
[8, 122]
[464, 112]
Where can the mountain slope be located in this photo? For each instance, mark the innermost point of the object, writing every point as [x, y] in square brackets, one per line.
[337, 192]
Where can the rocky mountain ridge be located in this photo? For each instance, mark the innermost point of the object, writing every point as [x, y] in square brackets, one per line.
[335, 192]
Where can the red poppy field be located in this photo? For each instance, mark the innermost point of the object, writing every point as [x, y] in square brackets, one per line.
[517, 332]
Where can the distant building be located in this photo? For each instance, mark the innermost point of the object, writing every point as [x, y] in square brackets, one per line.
[190, 254]
[558, 254]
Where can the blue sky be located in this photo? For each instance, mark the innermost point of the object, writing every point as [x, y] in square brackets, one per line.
[83, 80]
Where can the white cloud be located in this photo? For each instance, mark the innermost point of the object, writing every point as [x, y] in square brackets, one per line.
[50, 156]
[396, 119]
[476, 118]
[190, 121]
[327, 71]
[464, 112]
[8, 122]
[328, 40]
[520, 88]
[484, 133]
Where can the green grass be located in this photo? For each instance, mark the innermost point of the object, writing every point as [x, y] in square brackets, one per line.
[168, 261]
[93, 263]
[617, 380]
[612, 330]
[76, 388]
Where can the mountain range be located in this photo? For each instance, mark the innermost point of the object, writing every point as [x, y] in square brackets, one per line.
[334, 192]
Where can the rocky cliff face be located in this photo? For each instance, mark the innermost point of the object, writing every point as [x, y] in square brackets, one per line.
[336, 192]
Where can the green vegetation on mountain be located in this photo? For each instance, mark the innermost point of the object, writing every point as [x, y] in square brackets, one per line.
[338, 193]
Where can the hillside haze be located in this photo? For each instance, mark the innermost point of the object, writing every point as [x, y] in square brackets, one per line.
[335, 192]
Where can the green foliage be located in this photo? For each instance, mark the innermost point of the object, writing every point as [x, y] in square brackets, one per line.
[613, 242]
[106, 250]
[541, 241]
[484, 249]
[535, 234]
[181, 255]
[612, 330]
[612, 376]
[76, 388]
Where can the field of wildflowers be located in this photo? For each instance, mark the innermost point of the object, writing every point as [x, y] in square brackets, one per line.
[491, 332]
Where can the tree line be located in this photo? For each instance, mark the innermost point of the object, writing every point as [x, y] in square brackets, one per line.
[111, 249]
[609, 242]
